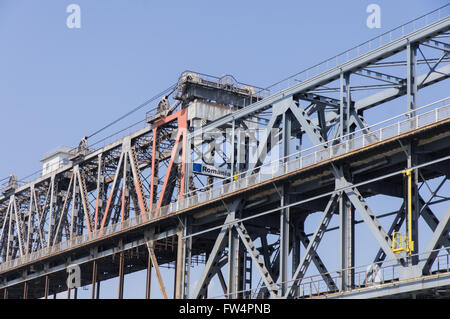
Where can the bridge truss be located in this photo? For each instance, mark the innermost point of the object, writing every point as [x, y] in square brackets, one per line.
[310, 151]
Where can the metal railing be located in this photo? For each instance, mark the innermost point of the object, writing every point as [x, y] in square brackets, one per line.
[364, 277]
[384, 133]
[377, 132]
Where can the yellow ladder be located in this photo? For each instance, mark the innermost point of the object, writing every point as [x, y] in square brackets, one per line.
[400, 243]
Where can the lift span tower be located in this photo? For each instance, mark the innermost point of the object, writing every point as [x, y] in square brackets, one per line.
[332, 183]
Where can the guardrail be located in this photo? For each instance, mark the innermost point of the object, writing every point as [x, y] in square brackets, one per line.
[305, 161]
[357, 139]
[365, 277]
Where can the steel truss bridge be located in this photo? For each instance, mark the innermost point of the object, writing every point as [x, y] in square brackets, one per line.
[310, 159]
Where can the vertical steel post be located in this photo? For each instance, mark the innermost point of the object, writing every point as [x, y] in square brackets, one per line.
[239, 152]
[187, 257]
[98, 290]
[180, 266]
[284, 213]
[345, 103]
[154, 174]
[346, 210]
[121, 274]
[50, 217]
[233, 264]
[232, 143]
[411, 96]
[46, 289]
[94, 278]
[187, 162]
[25, 290]
[414, 222]
[411, 81]
[296, 230]
[347, 242]
[124, 205]
[30, 217]
[149, 278]
[284, 243]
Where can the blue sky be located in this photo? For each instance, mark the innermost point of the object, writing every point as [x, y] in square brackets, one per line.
[59, 84]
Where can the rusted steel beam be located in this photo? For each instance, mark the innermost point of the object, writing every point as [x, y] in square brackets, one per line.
[121, 274]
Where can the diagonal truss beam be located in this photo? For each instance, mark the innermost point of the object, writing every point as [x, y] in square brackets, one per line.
[84, 199]
[432, 221]
[436, 241]
[395, 227]
[151, 251]
[313, 245]
[113, 193]
[372, 222]
[18, 224]
[320, 265]
[278, 109]
[214, 256]
[64, 209]
[257, 259]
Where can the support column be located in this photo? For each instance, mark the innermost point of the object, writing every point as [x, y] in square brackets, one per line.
[345, 104]
[149, 278]
[347, 242]
[94, 278]
[346, 210]
[412, 161]
[284, 245]
[411, 99]
[285, 213]
[51, 218]
[25, 290]
[180, 266]
[46, 288]
[232, 148]
[121, 274]
[234, 264]
[411, 83]
[240, 150]
[98, 290]
[187, 258]
[296, 230]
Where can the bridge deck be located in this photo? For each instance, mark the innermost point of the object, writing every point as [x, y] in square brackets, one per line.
[312, 178]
